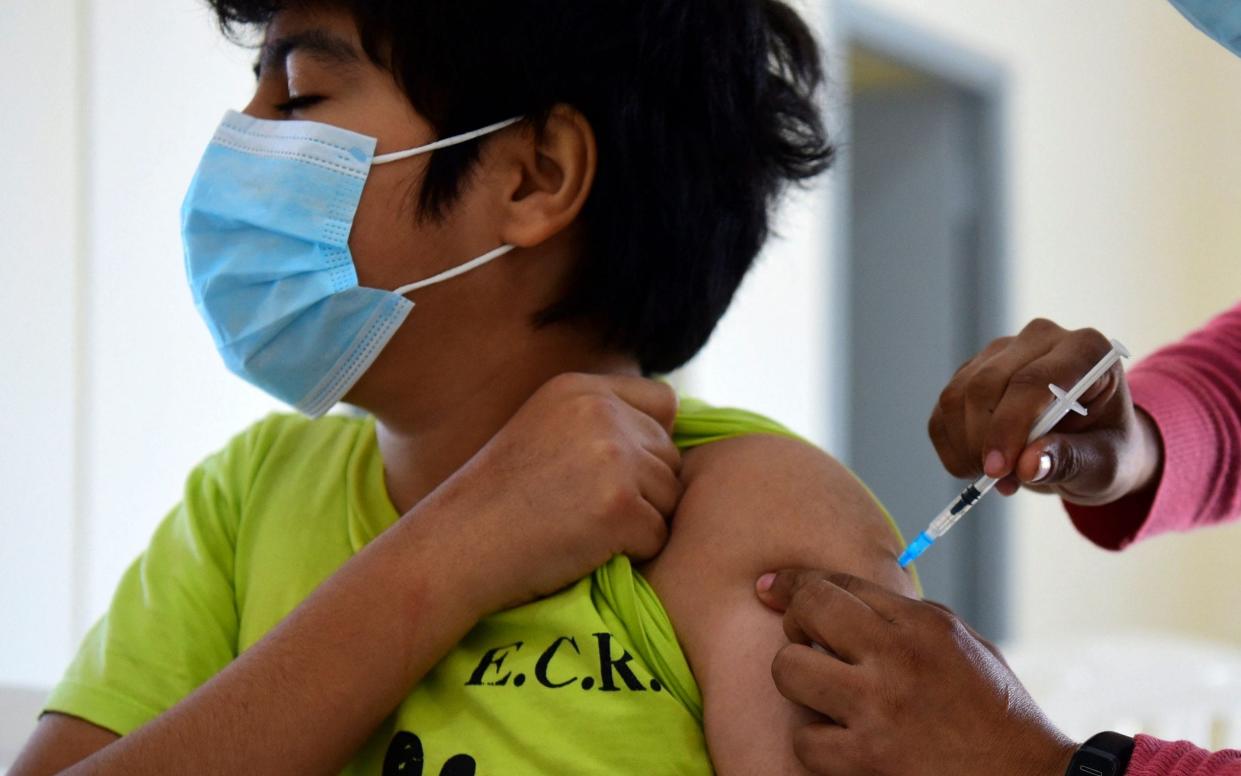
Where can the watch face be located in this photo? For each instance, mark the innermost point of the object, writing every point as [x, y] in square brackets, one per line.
[1092, 762]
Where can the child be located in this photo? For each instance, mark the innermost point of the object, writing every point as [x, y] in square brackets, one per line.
[525, 558]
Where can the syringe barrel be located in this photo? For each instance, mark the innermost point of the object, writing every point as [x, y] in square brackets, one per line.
[957, 509]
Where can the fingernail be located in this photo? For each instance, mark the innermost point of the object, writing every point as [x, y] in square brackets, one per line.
[765, 582]
[994, 465]
[1044, 467]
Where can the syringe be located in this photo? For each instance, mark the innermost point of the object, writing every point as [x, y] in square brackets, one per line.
[1064, 404]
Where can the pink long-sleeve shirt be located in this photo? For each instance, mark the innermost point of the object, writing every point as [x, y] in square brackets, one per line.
[1192, 390]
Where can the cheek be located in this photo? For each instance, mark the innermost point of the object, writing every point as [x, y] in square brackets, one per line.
[387, 241]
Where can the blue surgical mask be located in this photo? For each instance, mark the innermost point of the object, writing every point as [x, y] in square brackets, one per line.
[266, 228]
[1221, 19]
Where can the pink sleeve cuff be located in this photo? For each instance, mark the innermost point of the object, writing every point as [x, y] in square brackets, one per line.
[1152, 757]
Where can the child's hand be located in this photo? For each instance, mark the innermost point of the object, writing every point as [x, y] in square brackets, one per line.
[584, 471]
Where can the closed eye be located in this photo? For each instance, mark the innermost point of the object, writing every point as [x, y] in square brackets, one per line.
[299, 103]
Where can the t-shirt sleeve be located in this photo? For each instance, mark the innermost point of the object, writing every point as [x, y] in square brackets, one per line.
[173, 621]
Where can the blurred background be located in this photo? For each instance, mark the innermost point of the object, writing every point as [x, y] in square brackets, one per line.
[999, 162]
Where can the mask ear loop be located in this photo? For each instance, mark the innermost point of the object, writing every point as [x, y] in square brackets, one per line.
[470, 266]
[486, 258]
[445, 143]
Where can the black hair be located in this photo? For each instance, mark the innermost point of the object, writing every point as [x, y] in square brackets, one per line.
[703, 110]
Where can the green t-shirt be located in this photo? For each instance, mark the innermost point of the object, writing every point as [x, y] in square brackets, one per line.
[588, 681]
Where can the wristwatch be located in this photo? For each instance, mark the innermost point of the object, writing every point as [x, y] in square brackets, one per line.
[1106, 754]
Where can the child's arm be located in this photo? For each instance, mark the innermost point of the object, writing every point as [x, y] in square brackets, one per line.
[752, 505]
[585, 470]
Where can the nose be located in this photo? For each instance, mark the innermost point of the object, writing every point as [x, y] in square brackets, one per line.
[262, 105]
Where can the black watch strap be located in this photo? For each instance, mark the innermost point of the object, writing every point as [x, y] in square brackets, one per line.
[1106, 754]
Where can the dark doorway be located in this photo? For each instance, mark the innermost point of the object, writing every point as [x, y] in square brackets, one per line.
[925, 270]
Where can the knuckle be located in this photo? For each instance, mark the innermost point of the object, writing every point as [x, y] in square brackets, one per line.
[846, 582]
[806, 596]
[1094, 341]
[1030, 376]
[782, 668]
[941, 622]
[924, 614]
[970, 362]
[952, 398]
[1001, 343]
[1041, 327]
[568, 383]
[618, 501]
[609, 452]
[671, 484]
[648, 543]
[985, 385]
[657, 529]
[991, 379]
[594, 408]
[813, 593]
[676, 464]
[666, 450]
[957, 630]
[667, 397]
[976, 393]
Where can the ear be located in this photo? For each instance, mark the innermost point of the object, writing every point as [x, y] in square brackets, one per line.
[550, 177]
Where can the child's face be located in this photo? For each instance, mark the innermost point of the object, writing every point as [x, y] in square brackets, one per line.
[520, 192]
[313, 68]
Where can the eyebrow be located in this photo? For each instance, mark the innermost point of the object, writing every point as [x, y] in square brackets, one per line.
[319, 43]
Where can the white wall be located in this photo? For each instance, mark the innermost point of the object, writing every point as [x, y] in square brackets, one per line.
[112, 390]
[38, 209]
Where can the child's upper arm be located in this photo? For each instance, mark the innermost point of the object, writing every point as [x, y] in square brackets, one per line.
[752, 505]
